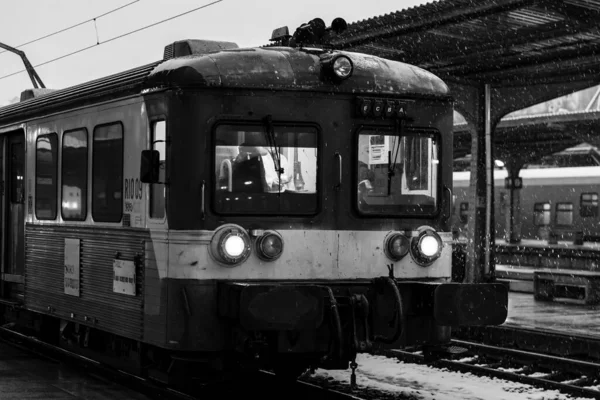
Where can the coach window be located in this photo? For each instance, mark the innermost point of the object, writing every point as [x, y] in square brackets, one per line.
[46, 164]
[397, 175]
[589, 205]
[157, 190]
[564, 214]
[74, 175]
[541, 214]
[265, 173]
[107, 173]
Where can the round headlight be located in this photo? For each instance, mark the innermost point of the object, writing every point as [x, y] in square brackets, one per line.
[429, 246]
[269, 246]
[233, 245]
[342, 67]
[395, 246]
[426, 247]
[230, 245]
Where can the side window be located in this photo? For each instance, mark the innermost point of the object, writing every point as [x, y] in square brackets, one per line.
[74, 175]
[17, 173]
[157, 190]
[464, 212]
[46, 164]
[107, 173]
[541, 214]
[564, 214]
[589, 205]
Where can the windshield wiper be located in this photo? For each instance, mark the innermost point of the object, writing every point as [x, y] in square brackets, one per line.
[392, 165]
[273, 148]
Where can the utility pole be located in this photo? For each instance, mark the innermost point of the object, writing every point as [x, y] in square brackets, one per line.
[35, 78]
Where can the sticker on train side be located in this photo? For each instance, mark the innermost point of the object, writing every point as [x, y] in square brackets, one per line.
[133, 194]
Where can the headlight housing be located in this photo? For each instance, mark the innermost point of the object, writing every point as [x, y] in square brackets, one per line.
[269, 246]
[337, 66]
[230, 245]
[395, 246]
[426, 247]
[342, 67]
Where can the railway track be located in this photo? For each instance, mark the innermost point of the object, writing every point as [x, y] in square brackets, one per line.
[570, 376]
[580, 347]
[262, 383]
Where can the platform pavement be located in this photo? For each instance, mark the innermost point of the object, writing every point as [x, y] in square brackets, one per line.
[576, 319]
[26, 376]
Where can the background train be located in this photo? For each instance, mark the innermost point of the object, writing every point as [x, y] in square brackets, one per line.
[559, 196]
[281, 207]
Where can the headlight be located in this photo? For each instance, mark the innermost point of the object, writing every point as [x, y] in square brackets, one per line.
[426, 247]
[342, 67]
[395, 246]
[269, 246]
[230, 245]
[336, 66]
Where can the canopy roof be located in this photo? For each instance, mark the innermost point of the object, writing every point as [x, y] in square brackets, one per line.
[503, 42]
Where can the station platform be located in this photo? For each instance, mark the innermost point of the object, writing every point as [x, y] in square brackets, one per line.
[26, 376]
[524, 311]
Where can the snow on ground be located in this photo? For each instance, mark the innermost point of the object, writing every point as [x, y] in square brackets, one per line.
[414, 381]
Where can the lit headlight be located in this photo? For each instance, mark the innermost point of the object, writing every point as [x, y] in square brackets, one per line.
[233, 246]
[342, 67]
[426, 247]
[230, 245]
[395, 246]
[269, 246]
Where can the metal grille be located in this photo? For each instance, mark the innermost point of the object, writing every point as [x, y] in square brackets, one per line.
[44, 276]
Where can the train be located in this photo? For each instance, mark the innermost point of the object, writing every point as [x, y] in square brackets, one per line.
[285, 206]
[555, 203]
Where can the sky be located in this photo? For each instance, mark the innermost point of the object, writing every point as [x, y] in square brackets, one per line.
[245, 22]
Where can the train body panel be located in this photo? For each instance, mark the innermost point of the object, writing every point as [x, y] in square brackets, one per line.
[345, 255]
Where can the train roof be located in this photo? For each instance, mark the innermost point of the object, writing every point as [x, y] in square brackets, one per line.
[285, 68]
[270, 68]
[540, 176]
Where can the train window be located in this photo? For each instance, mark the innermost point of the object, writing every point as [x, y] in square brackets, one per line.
[397, 174]
[157, 190]
[588, 205]
[264, 171]
[541, 214]
[74, 175]
[464, 212]
[46, 164]
[107, 173]
[17, 172]
[564, 214]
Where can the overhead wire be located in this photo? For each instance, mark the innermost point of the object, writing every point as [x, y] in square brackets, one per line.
[114, 38]
[74, 26]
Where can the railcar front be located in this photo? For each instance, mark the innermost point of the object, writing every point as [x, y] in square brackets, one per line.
[308, 201]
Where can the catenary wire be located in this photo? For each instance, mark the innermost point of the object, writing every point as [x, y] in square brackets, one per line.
[73, 26]
[114, 38]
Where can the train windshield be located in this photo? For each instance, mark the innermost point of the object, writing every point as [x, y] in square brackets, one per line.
[397, 175]
[265, 170]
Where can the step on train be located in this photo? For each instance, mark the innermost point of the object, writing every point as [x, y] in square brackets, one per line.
[284, 207]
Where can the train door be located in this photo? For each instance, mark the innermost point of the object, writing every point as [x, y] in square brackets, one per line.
[12, 164]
